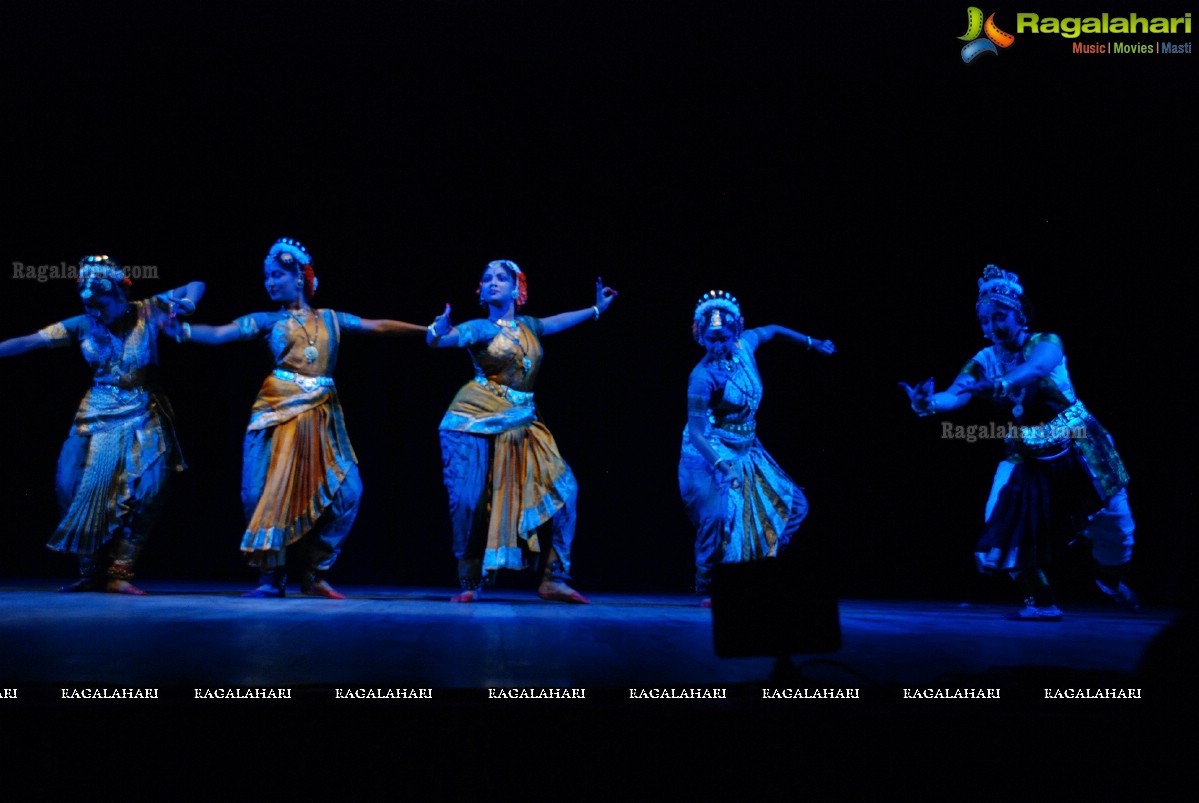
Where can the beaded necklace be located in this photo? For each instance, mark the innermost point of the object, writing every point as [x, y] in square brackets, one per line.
[310, 353]
[510, 330]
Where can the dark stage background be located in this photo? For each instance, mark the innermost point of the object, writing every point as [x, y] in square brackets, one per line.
[839, 169]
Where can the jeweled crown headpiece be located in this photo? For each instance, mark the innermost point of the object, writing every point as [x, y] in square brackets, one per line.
[506, 264]
[291, 254]
[286, 249]
[716, 302]
[99, 274]
[998, 286]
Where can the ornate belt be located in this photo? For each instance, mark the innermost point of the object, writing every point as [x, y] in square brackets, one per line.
[521, 398]
[1056, 435]
[747, 428]
[118, 391]
[308, 383]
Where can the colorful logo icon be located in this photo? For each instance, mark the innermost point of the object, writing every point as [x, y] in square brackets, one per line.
[974, 28]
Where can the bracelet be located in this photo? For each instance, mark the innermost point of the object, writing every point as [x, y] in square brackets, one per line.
[186, 304]
[433, 332]
[809, 337]
[185, 333]
[595, 312]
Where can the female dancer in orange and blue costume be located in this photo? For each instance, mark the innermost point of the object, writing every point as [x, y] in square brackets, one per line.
[300, 484]
[502, 469]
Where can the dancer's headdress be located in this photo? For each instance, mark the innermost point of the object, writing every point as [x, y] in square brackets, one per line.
[99, 274]
[716, 302]
[507, 264]
[998, 286]
[291, 254]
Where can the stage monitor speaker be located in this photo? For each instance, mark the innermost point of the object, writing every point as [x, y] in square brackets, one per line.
[772, 608]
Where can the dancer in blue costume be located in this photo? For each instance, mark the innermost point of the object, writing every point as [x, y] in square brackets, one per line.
[502, 469]
[116, 463]
[1062, 473]
[743, 505]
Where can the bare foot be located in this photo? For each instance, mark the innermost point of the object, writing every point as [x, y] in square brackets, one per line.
[82, 584]
[468, 596]
[265, 592]
[557, 591]
[322, 589]
[123, 587]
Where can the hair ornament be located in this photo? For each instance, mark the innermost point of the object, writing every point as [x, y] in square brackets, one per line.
[292, 255]
[99, 274]
[714, 302]
[998, 286]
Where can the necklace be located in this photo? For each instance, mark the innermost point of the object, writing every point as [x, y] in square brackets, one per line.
[114, 342]
[727, 364]
[509, 329]
[310, 353]
[751, 393]
[1007, 361]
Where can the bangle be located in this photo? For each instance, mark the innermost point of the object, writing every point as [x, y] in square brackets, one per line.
[185, 333]
[809, 337]
[186, 304]
[595, 312]
[433, 331]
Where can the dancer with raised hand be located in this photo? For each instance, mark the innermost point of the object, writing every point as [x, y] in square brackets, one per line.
[1062, 474]
[743, 505]
[117, 461]
[501, 466]
[300, 483]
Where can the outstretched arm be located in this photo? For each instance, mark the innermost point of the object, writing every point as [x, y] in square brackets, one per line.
[441, 334]
[771, 331]
[926, 401]
[386, 326]
[19, 345]
[203, 333]
[1041, 361]
[565, 320]
[182, 300]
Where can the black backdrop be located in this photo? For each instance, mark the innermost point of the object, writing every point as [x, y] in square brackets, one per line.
[840, 170]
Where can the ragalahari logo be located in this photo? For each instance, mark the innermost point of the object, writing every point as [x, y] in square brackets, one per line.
[975, 26]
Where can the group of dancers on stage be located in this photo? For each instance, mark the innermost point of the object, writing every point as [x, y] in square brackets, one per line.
[502, 470]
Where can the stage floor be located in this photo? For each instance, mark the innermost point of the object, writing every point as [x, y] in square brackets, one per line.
[205, 634]
[400, 680]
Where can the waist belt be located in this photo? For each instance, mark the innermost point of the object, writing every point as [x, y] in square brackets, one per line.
[521, 398]
[1055, 435]
[308, 383]
[116, 391]
[746, 428]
